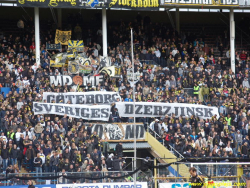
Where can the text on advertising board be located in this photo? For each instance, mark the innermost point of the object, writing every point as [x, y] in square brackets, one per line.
[202, 2]
[135, 3]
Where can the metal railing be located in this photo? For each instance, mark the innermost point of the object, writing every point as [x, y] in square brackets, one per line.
[162, 141]
[66, 177]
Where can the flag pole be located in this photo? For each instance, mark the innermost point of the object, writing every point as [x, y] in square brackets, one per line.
[133, 68]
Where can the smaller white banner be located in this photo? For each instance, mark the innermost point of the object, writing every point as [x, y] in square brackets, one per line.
[92, 97]
[104, 185]
[95, 112]
[157, 109]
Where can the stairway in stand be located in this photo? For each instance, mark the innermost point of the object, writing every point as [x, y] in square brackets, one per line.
[160, 151]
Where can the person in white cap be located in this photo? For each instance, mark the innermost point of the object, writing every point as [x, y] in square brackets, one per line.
[155, 126]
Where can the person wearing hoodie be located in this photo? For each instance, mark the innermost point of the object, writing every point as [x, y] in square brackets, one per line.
[38, 129]
[245, 83]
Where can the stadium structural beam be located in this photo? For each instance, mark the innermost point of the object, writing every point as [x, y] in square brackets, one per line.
[177, 20]
[232, 39]
[104, 33]
[37, 35]
[59, 18]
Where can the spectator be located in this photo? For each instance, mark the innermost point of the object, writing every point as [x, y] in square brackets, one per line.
[54, 162]
[30, 155]
[119, 150]
[38, 129]
[38, 164]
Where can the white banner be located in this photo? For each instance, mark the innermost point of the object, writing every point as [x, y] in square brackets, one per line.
[217, 184]
[156, 109]
[72, 80]
[95, 97]
[119, 131]
[95, 112]
[104, 185]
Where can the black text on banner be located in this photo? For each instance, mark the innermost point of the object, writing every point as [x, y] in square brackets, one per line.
[119, 131]
[76, 80]
[96, 97]
[154, 109]
[95, 112]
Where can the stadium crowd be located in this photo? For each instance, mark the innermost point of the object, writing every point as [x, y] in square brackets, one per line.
[168, 63]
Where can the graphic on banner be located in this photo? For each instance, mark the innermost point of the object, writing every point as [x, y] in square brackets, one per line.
[105, 61]
[119, 131]
[96, 112]
[112, 71]
[155, 109]
[59, 60]
[76, 44]
[73, 67]
[92, 3]
[118, 71]
[95, 97]
[108, 70]
[53, 46]
[105, 185]
[62, 37]
[85, 65]
[130, 77]
[76, 80]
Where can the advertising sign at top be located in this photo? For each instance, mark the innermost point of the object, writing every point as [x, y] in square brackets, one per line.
[112, 4]
[202, 2]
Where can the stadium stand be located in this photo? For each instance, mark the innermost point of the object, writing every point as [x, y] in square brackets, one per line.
[190, 67]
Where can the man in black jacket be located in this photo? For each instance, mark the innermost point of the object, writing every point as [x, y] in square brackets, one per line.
[54, 161]
[5, 156]
[14, 155]
[38, 164]
[19, 158]
[30, 183]
[119, 149]
[244, 150]
[117, 163]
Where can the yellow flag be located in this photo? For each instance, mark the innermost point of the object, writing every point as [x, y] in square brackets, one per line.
[62, 37]
[75, 44]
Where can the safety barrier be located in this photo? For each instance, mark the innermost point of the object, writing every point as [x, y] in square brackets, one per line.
[88, 185]
[74, 177]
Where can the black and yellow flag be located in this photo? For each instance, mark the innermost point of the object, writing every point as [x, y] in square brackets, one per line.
[109, 70]
[75, 44]
[62, 37]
